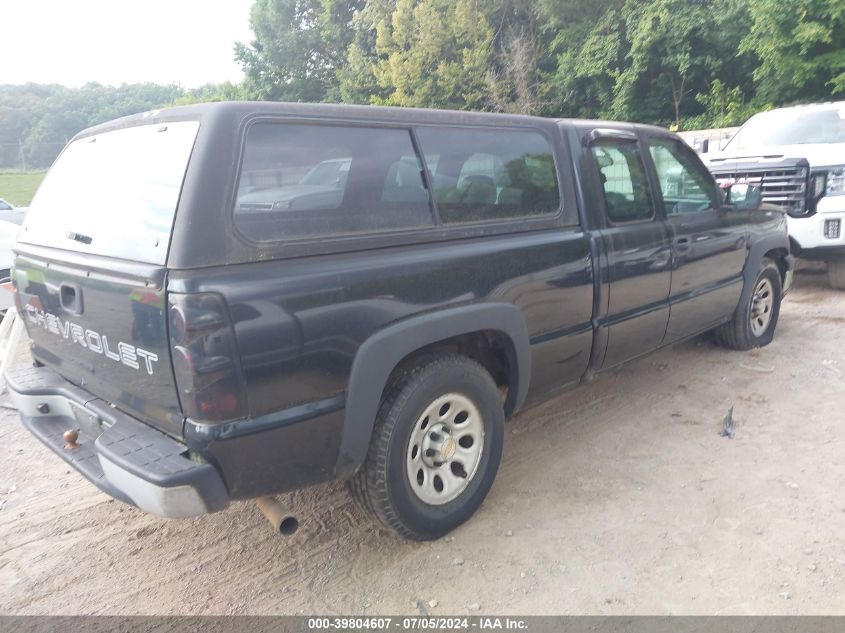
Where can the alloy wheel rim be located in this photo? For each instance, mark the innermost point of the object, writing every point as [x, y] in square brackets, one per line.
[762, 304]
[445, 449]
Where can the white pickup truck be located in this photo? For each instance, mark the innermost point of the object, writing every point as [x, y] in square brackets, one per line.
[796, 156]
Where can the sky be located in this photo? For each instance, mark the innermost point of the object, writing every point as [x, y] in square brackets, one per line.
[72, 42]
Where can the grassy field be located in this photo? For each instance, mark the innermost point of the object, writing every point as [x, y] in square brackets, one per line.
[18, 187]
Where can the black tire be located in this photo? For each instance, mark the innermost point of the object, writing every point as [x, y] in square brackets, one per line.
[738, 333]
[836, 273]
[383, 487]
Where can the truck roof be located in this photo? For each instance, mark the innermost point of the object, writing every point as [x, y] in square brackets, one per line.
[602, 123]
[317, 110]
[238, 109]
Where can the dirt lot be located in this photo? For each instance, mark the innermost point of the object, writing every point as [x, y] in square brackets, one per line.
[618, 497]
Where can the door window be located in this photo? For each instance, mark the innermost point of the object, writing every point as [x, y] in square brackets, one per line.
[685, 188]
[627, 197]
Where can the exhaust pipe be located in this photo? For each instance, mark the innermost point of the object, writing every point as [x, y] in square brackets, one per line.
[283, 523]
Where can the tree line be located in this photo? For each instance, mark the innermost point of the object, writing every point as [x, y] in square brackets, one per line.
[36, 121]
[682, 63]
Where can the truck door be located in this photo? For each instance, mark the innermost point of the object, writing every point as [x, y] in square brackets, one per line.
[638, 244]
[709, 242]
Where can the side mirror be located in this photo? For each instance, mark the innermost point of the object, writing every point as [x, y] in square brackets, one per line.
[744, 196]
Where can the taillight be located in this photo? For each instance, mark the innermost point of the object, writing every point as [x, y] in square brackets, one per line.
[204, 359]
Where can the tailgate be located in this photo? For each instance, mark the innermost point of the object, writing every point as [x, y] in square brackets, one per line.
[102, 325]
[91, 261]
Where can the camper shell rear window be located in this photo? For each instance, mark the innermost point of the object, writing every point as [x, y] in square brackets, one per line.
[115, 193]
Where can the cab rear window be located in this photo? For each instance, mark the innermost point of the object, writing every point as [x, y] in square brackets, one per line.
[115, 193]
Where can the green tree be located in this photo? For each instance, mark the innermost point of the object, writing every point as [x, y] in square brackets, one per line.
[687, 63]
[670, 53]
[426, 53]
[520, 65]
[36, 121]
[299, 47]
[801, 48]
[647, 60]
[590, 48]
[357, 76]
[227, 91]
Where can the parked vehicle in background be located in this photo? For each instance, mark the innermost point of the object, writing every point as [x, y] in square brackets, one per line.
[797, 157]
[321, 186]
[10, 220]
[11, 213]
[295, 293]
[712, 140]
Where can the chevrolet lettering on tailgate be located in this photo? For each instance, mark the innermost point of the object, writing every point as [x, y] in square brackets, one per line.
[98, 343]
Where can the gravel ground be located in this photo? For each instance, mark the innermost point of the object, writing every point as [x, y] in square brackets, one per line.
[618, 497]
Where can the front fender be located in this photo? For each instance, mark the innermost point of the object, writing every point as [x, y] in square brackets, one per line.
[760, 243]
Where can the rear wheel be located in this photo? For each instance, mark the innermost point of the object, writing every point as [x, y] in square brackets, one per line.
[836, 273]
[436, 448]
[755, 319]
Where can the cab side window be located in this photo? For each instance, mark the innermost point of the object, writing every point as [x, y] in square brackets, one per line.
[685, 188]
[481, 175]
[627, 197]
[304, 180]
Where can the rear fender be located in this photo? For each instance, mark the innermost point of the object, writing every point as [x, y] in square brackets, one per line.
[380, 354]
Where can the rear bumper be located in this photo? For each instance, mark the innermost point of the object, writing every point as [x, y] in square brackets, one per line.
[122, 456]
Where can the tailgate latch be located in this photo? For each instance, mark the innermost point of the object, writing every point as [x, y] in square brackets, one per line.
[71, 298]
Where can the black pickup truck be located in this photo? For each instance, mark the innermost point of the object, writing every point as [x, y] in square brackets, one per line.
[228, 301]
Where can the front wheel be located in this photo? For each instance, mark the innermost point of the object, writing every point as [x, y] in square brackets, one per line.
[836, 273]
[435, 450]
[756, 317]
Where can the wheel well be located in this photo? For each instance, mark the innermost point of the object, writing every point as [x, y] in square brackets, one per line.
[491, 349]
[778, 256]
